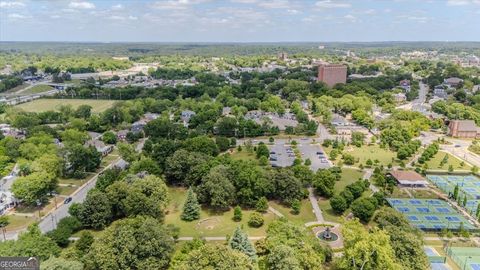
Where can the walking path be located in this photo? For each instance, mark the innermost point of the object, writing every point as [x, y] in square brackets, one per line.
[275, 211]
[316, 209]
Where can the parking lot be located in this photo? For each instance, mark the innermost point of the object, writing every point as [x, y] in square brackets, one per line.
[315, 153]
[282, 155]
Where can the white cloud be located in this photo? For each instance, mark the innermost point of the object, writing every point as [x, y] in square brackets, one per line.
[116, 18]
[5, 4]
[350, 17]
[118, 7]
[293, 11]
[332, 4]
[17, 16]
[244, 1]
[275, 4]
[176, 4]
[132, 18]
[462, 2]
[81, 5]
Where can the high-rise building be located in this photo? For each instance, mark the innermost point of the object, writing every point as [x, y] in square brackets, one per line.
[332, 74]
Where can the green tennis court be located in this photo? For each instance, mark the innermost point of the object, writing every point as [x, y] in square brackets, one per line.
[430, 214]
[467, 258]
[468, 185]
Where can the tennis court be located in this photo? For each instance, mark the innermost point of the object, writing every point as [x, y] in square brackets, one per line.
[468, 185]
[430, 214]
[465, 257]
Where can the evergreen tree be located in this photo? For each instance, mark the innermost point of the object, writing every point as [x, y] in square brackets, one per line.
[262, 205]
[464, 200]
[237, 213]
[191, 208]
[455, 192]
[478, 210]
[239, 241]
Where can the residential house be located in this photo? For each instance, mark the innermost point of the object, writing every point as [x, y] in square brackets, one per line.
[453, 82]
[226, 111]
[100, 146]
[138, 126]
[405, 84]
[121, 164]
[440, 91]
[338, 120]
[122, 135]
[186, 115]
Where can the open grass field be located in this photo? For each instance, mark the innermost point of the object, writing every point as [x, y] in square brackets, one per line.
[210, 223]
[243, 155]
[41, 105]
[18, 222]
[306, 212]
[434, 163]
[372, 152]
[348, 176]
[37, 89]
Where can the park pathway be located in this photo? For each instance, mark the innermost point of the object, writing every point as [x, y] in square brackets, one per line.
[316, 208]
[275, 212]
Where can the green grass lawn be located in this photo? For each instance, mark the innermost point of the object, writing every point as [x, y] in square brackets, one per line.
[372, 152]
[348, 176]
[210, 223]
[18, 222]
[243, 155]
[434, 163]
[306, 212]
[38, 89]
[41, 105]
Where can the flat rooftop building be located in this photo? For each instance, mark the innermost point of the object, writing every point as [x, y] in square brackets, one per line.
[409, 178]
[332, 74]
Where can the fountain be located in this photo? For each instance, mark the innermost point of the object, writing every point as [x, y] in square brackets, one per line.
[327, 235]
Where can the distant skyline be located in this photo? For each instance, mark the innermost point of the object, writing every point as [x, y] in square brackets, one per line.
[239, 20]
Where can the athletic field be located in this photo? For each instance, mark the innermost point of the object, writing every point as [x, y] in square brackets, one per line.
[42, 105]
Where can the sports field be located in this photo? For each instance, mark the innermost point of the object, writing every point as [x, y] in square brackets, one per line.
[42, 105]
[430, 214]
[468, 185]
[467, 258]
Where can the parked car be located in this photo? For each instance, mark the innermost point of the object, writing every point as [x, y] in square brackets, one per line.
[67, 200]
[273, 159]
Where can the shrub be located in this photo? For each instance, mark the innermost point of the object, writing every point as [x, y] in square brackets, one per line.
[237, 214]
[256, 220]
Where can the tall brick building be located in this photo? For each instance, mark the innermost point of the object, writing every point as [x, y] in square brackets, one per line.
[332, 74]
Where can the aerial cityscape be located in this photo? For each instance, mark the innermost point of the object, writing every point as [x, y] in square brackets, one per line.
[240, 134]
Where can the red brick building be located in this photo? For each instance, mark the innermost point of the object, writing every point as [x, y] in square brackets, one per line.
[463, 129]
[332, 74]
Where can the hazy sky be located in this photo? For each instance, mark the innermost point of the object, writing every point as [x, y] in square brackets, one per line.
[239, 20]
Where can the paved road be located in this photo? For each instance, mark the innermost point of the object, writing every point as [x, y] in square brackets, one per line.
[49, 222]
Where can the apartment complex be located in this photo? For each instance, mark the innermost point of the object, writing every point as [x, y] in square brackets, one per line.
[332, 74]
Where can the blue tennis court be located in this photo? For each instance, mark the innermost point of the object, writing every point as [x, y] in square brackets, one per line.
[439, 266]
[430, 214]
[469, 186]
[475, 266]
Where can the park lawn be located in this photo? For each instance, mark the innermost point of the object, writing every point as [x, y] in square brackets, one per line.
[18, 222]
[66, 190]
[306, 212]
[210, 223]
[423, 194]
[327, 212]
[41, 105]
[243, 155]
[72, 181]
[372, 152]
[349, 176]
[38, 89]
[434, 162]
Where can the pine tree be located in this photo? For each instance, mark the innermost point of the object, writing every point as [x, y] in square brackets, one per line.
[464, 200]
[455, 192]
[237, 213]
[191, 208]
[478, 210]
[239, 241]
[262, 205]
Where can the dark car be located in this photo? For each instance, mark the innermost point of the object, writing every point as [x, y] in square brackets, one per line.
[67, 200]
[272, 153]
[319, 153]
[273, 159]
